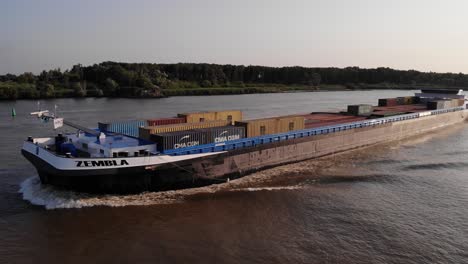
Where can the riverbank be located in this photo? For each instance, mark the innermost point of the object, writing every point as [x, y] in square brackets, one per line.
[151, 80]
[14, 91]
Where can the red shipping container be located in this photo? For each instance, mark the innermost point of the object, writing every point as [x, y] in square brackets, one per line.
[165, 121]
[388, 102]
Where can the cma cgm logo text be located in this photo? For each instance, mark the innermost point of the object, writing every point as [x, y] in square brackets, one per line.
[100, 163]
[226, 138]
[181, 144]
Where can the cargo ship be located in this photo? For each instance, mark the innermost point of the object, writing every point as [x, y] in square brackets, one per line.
[196, 149]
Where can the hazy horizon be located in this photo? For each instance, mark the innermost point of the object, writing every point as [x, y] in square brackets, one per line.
[419, 35]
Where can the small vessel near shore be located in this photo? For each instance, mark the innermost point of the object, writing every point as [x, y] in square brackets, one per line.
[195, 149]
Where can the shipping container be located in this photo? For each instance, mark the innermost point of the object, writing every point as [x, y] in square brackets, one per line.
[180, 139]
[198, 117]
[222, 134]
[258, 127]
[400, 100]
[267, 126]
[457, 102]
[229, 115]
[434, 105]
[290, 124]
[165, 121]
[401, 108]
[439, 104]
[129, 127]
[388, 102]
[360, 109]
[145, 132]
[447, 104]
[407, 100]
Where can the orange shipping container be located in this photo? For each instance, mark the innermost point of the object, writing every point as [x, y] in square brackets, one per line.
[198, 117]
[260, 127]
[229, 115]
[458, 102]
[233, 115]
[145, 132]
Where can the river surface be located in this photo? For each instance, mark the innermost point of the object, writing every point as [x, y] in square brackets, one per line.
[403, 202]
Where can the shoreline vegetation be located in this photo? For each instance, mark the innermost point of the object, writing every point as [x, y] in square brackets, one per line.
[144, 80]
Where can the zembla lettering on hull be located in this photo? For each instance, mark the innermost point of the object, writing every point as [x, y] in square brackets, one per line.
[100, 163]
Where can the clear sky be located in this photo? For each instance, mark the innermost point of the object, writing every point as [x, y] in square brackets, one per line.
[427, 35]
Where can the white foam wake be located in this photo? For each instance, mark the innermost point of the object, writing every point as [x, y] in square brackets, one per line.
[53, 198]
[277, 188]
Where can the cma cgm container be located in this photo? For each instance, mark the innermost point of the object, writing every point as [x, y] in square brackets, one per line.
[129, 128]
[165, 121]
[222, 134]
[145, 132]
[180, 139]
[259, 127]
[230, 115]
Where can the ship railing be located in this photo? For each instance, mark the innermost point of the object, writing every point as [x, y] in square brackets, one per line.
[267, 139]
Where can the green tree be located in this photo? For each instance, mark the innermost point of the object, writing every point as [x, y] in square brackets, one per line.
[8, 92]
[315, 79]
[47, 91]
[78, 89]
[110, 87]
[27, 77]
[143, 82]
[206, 83]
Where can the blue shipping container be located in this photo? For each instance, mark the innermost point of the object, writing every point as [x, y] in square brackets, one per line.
[129, 128]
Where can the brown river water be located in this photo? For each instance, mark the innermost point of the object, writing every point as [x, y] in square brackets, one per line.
[401, 202]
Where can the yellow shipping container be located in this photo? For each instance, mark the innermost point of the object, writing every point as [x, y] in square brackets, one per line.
[145, 132]
[260, 127]
[461, 102]
[198, 117]
[290, 124]
[233, 115]
[409, 100]
[229, 115]
[458, 102]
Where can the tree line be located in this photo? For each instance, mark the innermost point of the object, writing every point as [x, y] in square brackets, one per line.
[115, 79]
